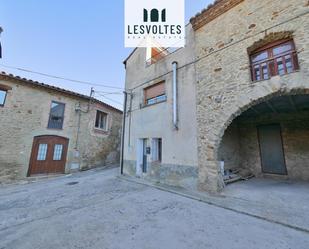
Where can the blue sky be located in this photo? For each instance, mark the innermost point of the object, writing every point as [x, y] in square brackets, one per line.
[76, 39]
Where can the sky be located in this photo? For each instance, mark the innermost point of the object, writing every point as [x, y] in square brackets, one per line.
[76, 39]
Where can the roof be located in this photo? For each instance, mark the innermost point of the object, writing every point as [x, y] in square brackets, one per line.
[4, 75]
[125, 61]
[212, 11]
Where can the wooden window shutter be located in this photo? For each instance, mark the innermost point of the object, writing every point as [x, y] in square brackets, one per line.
[155, 90]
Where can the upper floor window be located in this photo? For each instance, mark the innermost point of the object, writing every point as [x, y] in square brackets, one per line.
[277, 58]
[56, 115]
[3, 93]
[101, 120]
[155, 93]
[154, 54]
[2, 97]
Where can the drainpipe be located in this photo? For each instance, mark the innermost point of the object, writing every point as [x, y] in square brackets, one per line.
[123, 130]
[175, 96]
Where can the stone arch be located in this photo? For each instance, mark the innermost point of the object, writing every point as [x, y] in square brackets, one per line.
[209, 177]
[252, 103]
[269, 38]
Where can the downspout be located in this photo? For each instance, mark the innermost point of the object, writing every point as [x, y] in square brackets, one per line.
[175, 96]
[123, 130]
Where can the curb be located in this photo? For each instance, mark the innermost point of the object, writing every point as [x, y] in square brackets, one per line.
[212, 203]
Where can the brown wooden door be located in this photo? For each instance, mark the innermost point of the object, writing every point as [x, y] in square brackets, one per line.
[48, 155]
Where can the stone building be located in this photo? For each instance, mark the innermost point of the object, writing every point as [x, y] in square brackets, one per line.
[46, 129]
[242, 98]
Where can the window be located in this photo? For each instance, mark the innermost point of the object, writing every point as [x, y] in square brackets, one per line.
[56, 115]
[157, 149]
[101, 120]
[278, 58]
[42, 152]
[154, 54]
[155, 94]
[2, 97]
[57, 152]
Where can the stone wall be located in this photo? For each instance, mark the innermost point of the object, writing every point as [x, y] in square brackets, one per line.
[295, 132]
[224, 86]
[240, 145]
[229, 150]
[25, 115]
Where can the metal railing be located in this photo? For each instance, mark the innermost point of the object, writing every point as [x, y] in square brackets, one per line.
[279, 65]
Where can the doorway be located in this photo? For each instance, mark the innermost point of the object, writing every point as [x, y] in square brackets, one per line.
[144, 165]
[271, 149]
[48, 155]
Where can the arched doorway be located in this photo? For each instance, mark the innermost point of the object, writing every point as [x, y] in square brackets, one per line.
[269, 138]
[48, 155]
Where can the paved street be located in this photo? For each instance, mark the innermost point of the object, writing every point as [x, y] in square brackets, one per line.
[95, 209]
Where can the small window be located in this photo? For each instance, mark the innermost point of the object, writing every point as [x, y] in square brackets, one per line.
[157, 149]
[57, 152]
[2, 97]
[42, 152]
[101, 120]
[155, 94]
[56, 115]
[154, 54]
[278, 58]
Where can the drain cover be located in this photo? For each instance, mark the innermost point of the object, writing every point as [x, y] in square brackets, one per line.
[72, 183]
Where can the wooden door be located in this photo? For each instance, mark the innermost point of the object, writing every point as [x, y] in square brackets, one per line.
[48, 155]
[271, 147]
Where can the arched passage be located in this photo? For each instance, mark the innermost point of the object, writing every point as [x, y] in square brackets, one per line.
[269, 136]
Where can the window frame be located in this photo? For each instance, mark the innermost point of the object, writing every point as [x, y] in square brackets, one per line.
[156, 98]
[5, 96]
[50, 111]
[6, 89]
[42, 153]
[271, 59]
[56, 152]
[106, 123]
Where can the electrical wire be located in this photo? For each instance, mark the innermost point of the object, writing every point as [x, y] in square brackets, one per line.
[104, 96]
[61, 78]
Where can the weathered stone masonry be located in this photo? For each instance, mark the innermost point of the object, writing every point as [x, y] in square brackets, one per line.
[25, 115]
[223, 70]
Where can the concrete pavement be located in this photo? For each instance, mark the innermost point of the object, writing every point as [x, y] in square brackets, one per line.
[95, 209]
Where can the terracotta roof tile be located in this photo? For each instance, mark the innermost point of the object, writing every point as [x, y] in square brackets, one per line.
[58, 89]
